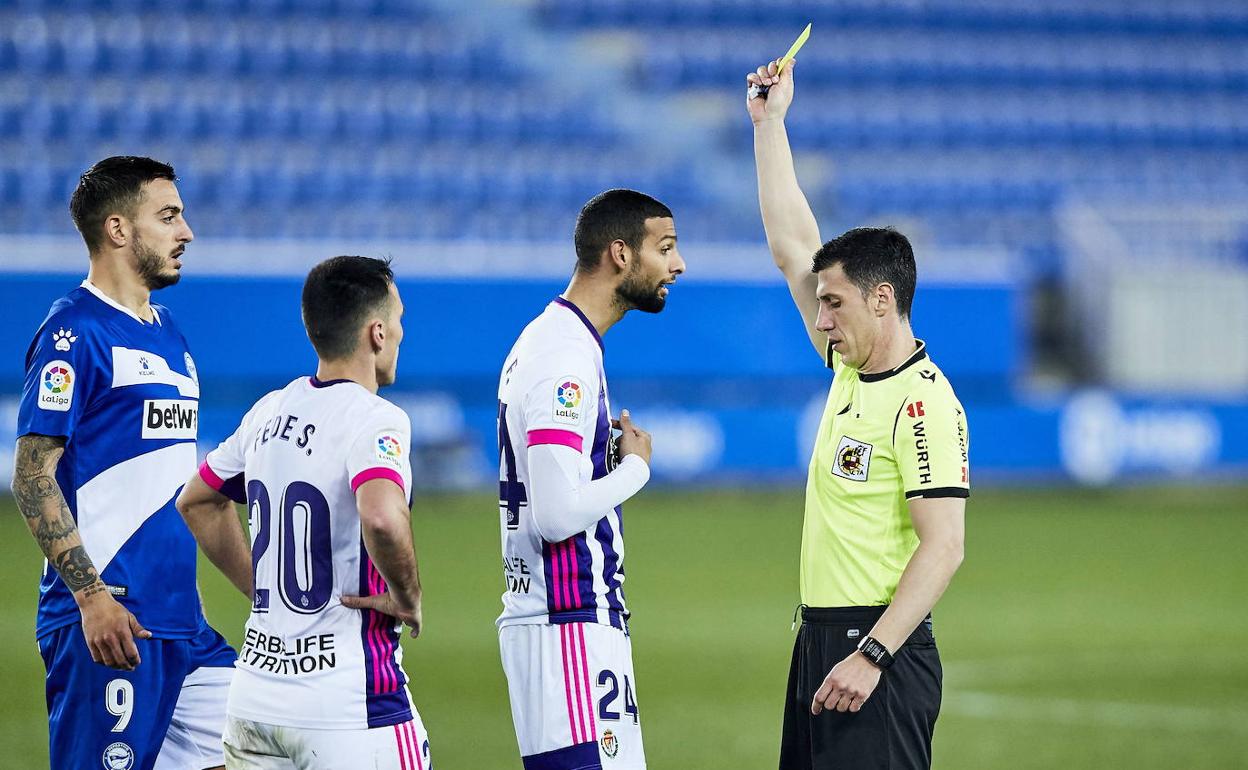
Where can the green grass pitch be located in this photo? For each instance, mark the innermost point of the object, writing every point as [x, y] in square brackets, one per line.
[1085, 630]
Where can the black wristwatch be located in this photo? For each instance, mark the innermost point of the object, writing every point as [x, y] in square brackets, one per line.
[876, 653]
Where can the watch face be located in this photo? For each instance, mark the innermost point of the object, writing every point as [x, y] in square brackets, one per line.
[613, 452]
[876, 652]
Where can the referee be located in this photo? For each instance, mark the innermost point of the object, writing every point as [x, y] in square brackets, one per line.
[887, 485]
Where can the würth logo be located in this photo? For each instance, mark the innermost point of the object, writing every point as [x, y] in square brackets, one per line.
[170, 418]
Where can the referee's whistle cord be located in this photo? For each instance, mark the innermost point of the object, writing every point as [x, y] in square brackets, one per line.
[796, 610]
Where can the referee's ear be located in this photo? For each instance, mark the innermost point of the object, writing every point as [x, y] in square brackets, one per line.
[885, 298]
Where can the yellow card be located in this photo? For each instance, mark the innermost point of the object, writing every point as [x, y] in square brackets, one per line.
[797, 46]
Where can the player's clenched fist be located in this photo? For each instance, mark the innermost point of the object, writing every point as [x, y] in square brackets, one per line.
[770, 92]
[633, 440]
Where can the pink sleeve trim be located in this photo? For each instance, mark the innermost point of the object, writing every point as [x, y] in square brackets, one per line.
[368, 474]
[210, 477]
[553, 436]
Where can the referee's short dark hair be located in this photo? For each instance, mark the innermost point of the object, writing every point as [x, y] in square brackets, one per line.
[614, 215]
[112, 186]
[338, 295]
[871, 256]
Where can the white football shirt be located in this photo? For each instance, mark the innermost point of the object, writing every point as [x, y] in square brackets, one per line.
[553, 390]
[296, 460]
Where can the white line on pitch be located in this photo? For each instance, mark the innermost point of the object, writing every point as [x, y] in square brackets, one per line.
[985, 705]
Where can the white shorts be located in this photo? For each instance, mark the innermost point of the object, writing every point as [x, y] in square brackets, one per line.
[573, 696]
[194, 736]
[256, 746]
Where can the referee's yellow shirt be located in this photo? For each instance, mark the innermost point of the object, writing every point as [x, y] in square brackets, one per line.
[885, 438]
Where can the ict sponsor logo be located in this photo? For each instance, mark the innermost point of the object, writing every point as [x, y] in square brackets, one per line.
[853, 459]
[170, 418]
[57, 391]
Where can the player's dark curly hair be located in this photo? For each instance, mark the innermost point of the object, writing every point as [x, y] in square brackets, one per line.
[871, 256]
[614, 215]
[112, 186]
[338, 296]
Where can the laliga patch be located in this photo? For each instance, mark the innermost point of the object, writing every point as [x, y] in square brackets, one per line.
[389, 448]
[853, 459]
[569, 400]
[56, 387]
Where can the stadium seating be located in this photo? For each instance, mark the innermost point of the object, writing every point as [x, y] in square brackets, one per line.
[407, 119]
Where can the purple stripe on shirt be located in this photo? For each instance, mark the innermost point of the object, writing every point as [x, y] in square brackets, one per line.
[384, 681]
[314, 382]
[550, 570]
[603, 533]
[584, 320]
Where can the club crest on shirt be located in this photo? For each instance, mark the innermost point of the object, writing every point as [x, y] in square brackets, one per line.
[853, 459]
[56, 389]
[190, 367]
[610, 744]
[118, 756]
[569, 395]
[389, 448]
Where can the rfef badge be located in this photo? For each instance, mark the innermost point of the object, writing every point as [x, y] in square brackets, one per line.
[853, 459]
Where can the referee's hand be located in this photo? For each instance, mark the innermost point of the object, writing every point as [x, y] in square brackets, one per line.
[847, 686]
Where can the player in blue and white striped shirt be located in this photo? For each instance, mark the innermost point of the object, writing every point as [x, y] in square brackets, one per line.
[107, 428]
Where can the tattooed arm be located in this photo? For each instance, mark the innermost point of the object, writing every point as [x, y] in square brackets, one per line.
[109, 627]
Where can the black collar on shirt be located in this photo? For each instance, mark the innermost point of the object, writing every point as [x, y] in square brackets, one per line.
[920, 353]
[325, 383]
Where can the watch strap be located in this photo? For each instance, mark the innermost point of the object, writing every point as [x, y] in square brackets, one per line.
[877, 653]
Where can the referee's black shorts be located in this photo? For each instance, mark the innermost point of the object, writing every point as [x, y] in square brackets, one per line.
[892, 731]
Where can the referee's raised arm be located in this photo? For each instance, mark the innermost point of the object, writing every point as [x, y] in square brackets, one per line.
[792, 232]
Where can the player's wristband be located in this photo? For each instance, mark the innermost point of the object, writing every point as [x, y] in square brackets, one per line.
[875, 652]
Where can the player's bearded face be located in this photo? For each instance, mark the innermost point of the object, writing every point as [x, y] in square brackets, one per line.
[160, 234]
[642, 290]
[156, 270]
[655, 265]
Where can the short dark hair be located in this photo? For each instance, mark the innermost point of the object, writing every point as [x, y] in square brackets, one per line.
[338, 295]
[871, 256]
[112, 186]
[614, 215]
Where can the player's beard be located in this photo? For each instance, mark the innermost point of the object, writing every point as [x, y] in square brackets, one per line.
[635, 292]
[151, 267]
